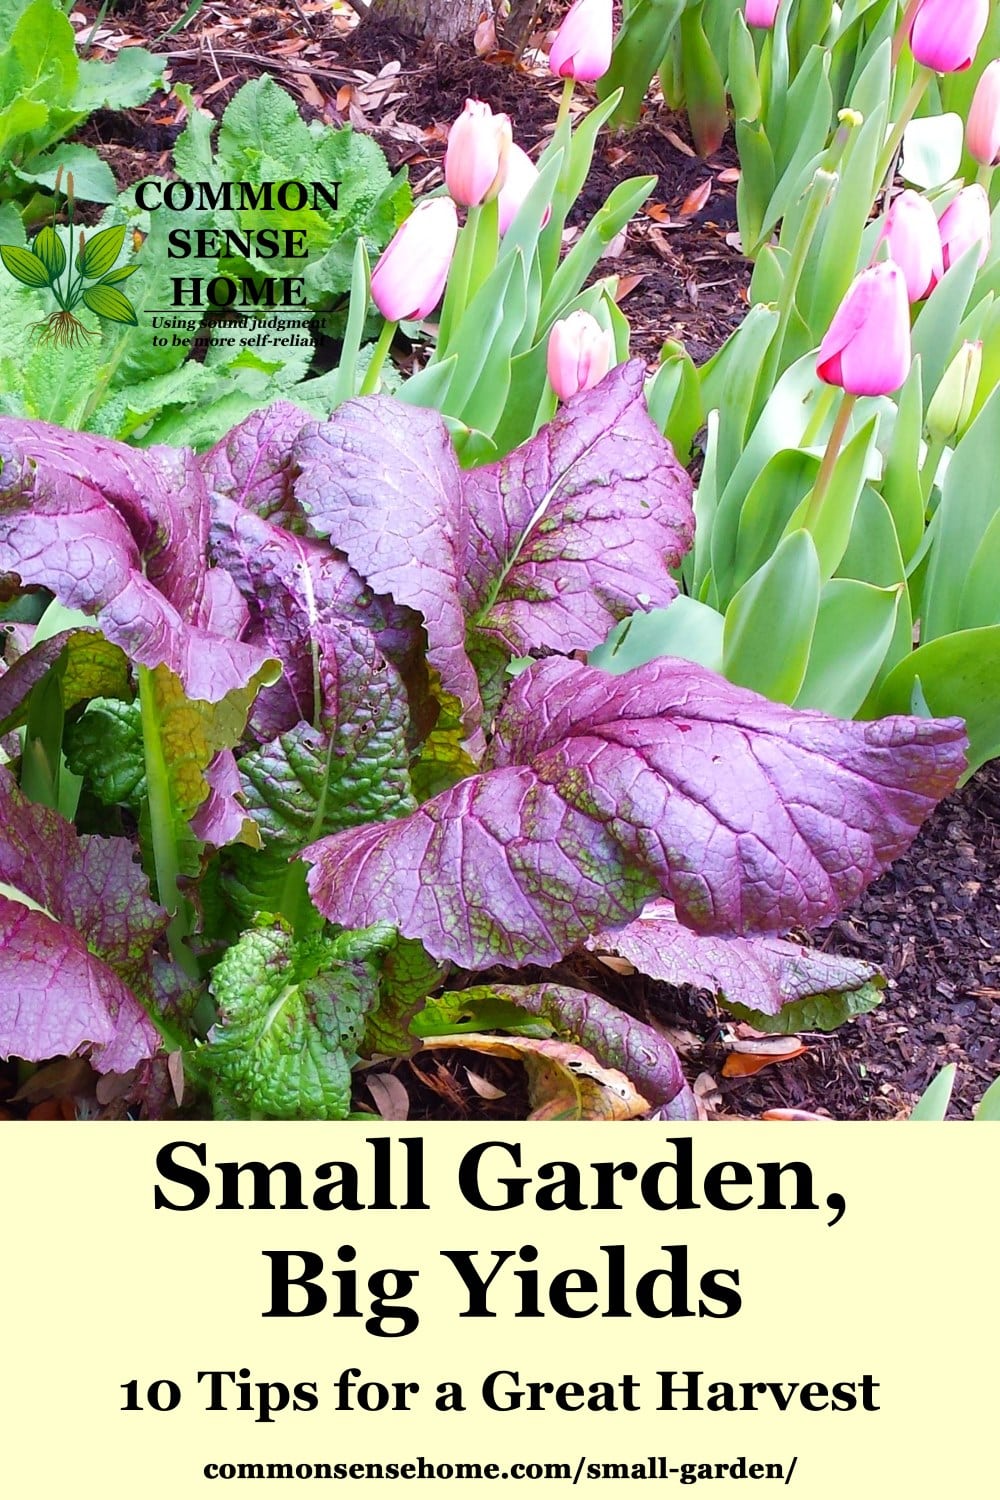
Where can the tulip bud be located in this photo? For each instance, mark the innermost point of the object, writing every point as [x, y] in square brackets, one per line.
[951, 405]
[583, 43]
[411, 273]
[965, 222]
[522, 174]
[911, 233]
[761, 13]
[475, 162]
[580, 353]
[982, 129]
[867, 346]
[944, 34]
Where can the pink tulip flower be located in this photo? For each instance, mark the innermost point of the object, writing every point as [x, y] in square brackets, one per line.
[580, 353]
[911, 233]
[522, 174]
[965, 222]
[944, 34]
[582, 48]
[411, 273]
[475, 162]
[867, 346]
[761, 13]
[982, 129]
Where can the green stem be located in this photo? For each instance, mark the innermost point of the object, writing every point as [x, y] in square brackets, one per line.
[984, 175]
[826, 468]
[564, 103]
[913, 98]
[41, 757]
[819, 192]
[821, 410]
[457, 292]
[166, 856]
[929, 468]
[378, 358]
[903, 30]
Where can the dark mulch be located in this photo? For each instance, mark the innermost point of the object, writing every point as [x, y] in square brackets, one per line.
[933, 921]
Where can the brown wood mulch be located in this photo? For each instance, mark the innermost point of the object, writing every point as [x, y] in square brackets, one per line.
[933, 921]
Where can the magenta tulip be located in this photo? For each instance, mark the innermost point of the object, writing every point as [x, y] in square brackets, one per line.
[582, 48]
[867, 346]
[965, 222]
[522, 174]
[944, 34]
[411, 273]
[580, 353]
[475, 162]
[911, 233]
[761, 13]
[982, 129]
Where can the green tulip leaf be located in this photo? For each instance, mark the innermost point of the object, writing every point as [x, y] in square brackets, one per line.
[854, 628]
[958, 674]
[769, 624]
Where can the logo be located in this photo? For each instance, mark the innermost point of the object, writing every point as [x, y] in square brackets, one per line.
[91, 280]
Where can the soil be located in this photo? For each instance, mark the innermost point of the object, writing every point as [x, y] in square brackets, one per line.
[932, 922]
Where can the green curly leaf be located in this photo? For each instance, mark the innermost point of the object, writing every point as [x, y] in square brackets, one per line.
[105, 746]
[291, 1019]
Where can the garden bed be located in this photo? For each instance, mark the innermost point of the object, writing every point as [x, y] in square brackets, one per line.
[932, 923]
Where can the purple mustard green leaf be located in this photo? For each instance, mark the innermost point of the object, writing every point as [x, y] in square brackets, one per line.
[292, 587]
[253, 465]
[380, 479]
[351, 767]
[766, 975]
[121, 535]
[573, 528]
[222, 818]
[407, 978]
[77, 930]
[546, 549]
[602, 792]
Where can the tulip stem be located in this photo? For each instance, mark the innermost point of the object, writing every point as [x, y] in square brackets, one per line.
[984, 176]
[379, 353]
[929, 468]
[456, 296]
[821, 410]
[826, 468]
[565, 101]
[913, 98]
[903, 30]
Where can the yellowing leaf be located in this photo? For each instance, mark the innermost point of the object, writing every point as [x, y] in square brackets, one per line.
[565, 1082]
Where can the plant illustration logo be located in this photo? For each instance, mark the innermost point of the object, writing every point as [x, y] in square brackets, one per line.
[92, 279]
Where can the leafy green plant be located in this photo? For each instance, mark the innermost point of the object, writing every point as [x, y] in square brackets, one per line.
[46, 91]
[290, 675]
